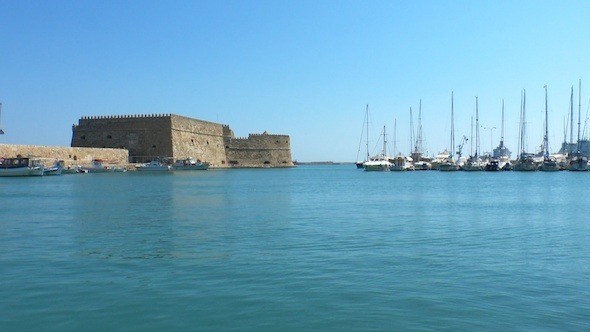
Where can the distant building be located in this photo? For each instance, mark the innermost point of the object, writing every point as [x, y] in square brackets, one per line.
[148, 137]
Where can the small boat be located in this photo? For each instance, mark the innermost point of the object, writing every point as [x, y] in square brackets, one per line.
[401, 163]
[55, 169]
[154, 166]
[21, 166]
[98, 166]
[189, 164]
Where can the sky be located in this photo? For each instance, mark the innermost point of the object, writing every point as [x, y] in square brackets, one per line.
[303, 68]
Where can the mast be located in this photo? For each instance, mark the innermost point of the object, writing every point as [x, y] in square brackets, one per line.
[477, 127]
[572, 115]
[546, 140]
[412, 147]
[524, 148]
[452, 128]
[1, 131]
[419, 133]
[384, 143]
[502, 130]
[471, 139]
[367, 116]
[579, 110]
[394, 137]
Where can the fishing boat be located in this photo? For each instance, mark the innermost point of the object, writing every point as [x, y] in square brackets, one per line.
[21, 166]
[525, 161]
[381, 162]
[189, 164]
[549, 163]
[449, 164]
[154, 166]
[577, 161]
[474, 162]
[360, 163]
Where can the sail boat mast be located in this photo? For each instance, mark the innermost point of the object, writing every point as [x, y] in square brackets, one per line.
[579, 110]
[546, 140]
[367, 116]
[412, 146]
[477, 127]
[452, 128]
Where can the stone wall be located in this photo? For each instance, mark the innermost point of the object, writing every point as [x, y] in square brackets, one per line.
[198, 139]
[146, 137]
[71, 156]
[260, 150]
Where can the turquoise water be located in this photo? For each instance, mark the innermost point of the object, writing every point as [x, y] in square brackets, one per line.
[309, 248]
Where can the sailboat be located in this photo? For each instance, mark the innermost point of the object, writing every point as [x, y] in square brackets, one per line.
[525, 161]
[500, 159]
[380, 162]
[449, 164]
[577, 160]
[474, 163]
[360, 163]
[420, 163]
[400, 162]
[549, 163]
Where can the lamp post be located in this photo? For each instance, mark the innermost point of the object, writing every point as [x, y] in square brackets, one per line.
[491, 139]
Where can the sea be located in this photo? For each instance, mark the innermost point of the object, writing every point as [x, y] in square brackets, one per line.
[311, 248]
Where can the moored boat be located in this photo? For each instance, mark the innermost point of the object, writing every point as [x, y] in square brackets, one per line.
[21, 166]
[189, 164]
[154, 166]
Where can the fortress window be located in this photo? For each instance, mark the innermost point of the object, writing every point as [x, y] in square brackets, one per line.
[277, 141]
[207, 142]
[266, 162]
[192, 140]
[109, 136]
[75, 157]
[153, 146]
[83, 137]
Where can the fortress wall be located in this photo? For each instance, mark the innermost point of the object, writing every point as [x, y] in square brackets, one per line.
[260, 150]
[201, 140]
[145, 136]
[71, 156]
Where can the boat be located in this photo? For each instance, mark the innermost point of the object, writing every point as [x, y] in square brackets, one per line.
[449, 164]
[98, 166]
[21, 166]
[381, 162]
[500, 158]
[577, 161]
[55, 169]
[360, 163]
[154, 166]
[402, 163]
[526, 161]
[474, 162]
[189, 164]
[549, 163]
[420, 163]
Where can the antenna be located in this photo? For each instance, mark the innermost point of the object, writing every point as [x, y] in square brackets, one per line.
[1, 131]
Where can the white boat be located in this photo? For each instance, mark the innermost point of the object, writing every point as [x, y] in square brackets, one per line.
[21, 166]
[549, 163]
[55, 169]
[154, 166]
[98, 166]
[449, 164]
[189, 164]
[381, 162]
[402, 163]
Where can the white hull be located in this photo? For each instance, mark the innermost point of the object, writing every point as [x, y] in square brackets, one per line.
[22, 171]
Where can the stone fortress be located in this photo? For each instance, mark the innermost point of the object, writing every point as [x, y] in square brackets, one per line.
[148, 137]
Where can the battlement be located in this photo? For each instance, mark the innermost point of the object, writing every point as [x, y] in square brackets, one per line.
[127, 116]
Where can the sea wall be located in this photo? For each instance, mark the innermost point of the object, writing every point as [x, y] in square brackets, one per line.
[71, 156]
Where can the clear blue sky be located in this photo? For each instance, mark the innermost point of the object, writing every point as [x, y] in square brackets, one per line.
[302, 68]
